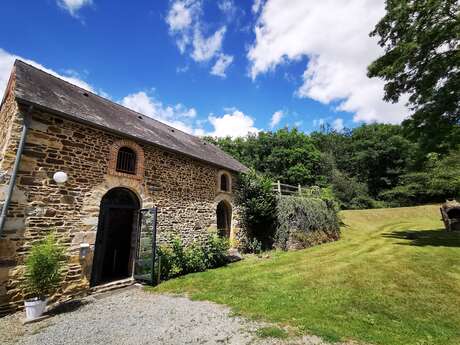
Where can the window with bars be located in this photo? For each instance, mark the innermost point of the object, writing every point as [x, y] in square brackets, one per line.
[126, 161]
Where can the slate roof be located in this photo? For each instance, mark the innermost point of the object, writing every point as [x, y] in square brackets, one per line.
[34, 86]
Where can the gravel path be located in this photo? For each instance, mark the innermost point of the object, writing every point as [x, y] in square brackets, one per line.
[132, 316]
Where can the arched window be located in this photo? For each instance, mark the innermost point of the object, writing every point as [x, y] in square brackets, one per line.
[224, 183]
[126, 161]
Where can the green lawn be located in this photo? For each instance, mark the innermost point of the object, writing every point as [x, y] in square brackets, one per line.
[380, 283]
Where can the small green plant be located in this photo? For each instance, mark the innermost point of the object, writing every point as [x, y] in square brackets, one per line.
[177, 259]
[272, 332]
[44, 266]
[164, 253]
[255, 246]
[178, 263]
[195, 259]
[216, 251]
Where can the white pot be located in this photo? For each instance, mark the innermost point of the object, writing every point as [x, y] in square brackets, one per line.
[35, 308]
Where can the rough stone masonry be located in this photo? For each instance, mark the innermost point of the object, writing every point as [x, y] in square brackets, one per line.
[185, 189]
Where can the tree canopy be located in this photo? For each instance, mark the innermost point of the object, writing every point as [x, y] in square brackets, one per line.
[422, 61]
[369, 166]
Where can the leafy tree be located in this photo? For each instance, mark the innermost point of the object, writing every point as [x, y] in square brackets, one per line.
[374, 155]
[379, 155]
[422, 60]
[286, 155]
[438, 180]
[368, 166]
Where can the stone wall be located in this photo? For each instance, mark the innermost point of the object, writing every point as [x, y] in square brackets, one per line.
[184, 189]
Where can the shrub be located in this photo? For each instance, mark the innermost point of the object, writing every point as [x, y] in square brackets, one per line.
[351, 193]
[254, 246]
[195, 259]
[216, 251]
[165, 255]
[303, 222]
[177, 259]
[257, 205]
[44, 267]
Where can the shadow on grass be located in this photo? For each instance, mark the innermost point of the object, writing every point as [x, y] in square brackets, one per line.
[436, 237]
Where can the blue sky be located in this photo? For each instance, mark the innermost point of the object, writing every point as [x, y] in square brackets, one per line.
[210, 67]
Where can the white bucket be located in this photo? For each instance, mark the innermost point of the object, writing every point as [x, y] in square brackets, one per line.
[34, 308]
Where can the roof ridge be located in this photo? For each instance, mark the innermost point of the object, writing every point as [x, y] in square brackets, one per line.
[105, 99]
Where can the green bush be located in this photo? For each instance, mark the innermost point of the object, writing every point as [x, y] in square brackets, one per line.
[305, 222]
[43, 268]
[216, 251]
[195, 259]
[257, 205]
[350, 193]
[165, 254]
[254, 246]
[177, 259]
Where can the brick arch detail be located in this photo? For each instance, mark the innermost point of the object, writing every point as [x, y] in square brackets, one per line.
[139, 159]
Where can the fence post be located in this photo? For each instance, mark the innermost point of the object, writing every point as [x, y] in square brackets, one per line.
[300, 189]
[279, 187]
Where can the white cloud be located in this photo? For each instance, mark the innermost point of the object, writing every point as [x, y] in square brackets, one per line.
[183, 17]
[180, 15]
[73, 6]
[227, 7]
[335, 38]
[256, 6]
[276, 118]
[177, 116]
[206, 48]
[221, 65]
[236, 124]
[6, 65]
[338, 125]
[185, 25]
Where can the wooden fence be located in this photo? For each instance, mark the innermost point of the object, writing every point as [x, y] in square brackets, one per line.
[287, 189]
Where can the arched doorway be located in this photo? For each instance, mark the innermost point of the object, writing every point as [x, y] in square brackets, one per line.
[224, 218]
[115, 243]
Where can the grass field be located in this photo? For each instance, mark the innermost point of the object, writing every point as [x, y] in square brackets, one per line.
[393, 278]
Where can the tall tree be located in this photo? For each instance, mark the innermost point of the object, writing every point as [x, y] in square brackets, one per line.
[286, 155]
[422, 60]
[379, 155]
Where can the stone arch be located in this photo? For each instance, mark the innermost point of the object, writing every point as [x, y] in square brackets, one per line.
[221, 176]
[91, 210]
[91, 204]
[140, 159]
[115, 245]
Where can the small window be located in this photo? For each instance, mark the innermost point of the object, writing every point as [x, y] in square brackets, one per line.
[126, 161]
[224, 183]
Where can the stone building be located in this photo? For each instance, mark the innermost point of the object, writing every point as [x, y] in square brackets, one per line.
[117, 162]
